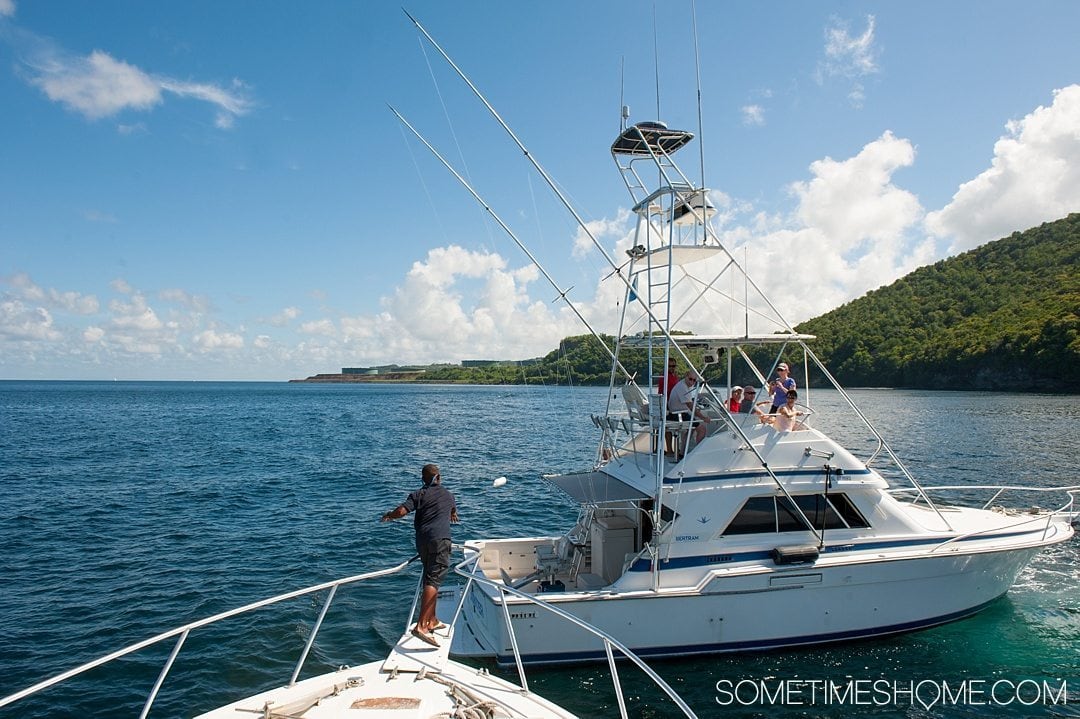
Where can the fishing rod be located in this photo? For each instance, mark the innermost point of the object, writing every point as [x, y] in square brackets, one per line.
[506, 228]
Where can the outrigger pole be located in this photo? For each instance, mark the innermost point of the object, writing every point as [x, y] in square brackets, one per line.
[487, 208]
[554, 188]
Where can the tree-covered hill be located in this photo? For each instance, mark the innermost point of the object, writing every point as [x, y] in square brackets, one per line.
[1003, 316]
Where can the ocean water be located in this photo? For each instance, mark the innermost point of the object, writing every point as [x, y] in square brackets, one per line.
[130, 508]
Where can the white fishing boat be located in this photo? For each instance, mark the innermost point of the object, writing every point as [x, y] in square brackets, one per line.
[414, 680]
[764, 532]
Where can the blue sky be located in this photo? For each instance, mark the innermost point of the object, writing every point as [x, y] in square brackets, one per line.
[217, 190]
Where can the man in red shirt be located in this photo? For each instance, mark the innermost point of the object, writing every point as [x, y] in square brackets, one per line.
[667, 381]
[663, 388]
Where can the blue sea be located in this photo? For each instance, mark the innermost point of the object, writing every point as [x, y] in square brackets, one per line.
[130, 508]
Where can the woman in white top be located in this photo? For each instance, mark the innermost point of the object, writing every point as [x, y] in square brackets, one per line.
[784, 419]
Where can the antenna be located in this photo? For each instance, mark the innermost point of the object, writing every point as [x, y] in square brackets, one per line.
[624, 110]
[697, 75]
[656, 61]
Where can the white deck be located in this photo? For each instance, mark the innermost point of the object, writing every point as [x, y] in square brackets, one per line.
[416, 681]
[413, 655]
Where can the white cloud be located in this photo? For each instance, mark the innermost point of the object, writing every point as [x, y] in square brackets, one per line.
[25, 287]
[137, 128]
[135, 315]
[854, 200]
[1033, 177]
[121, 286]
[21, 322]
[198, 303]
[600, 229]
[284, 317]
[853, 230]
[98, 85]
[210, 340]
[753, 115]
[323, 327]
[857, 94]
[231, 104]
[72, 302]
[849, 57]
[7, 8]
[93, 334]
[455, 304]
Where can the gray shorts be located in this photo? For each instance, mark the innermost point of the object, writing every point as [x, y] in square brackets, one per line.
[435, 555]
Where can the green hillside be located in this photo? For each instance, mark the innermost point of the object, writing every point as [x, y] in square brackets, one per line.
[1003, 316]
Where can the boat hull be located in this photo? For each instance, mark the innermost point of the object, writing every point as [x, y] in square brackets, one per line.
[754, 610]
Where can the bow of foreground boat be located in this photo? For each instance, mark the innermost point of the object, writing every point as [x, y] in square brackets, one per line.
[416, 676]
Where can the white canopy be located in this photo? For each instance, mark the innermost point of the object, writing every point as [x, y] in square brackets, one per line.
[595, 487]
[718, 341]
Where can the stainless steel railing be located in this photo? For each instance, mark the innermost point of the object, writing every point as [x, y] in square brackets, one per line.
[1068, 510]
[182, 633]
[467, 569]
[998, 489]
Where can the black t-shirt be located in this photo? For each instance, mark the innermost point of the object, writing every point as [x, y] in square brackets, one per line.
[432, 506]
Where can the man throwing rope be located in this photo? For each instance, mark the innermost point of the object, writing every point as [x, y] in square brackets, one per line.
[435, 511]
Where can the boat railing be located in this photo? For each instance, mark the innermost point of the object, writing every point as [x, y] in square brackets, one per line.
[467, 569]
[1068, 510]
[181, 634]
[183, 631]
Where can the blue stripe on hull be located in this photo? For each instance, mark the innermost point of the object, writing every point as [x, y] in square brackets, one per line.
[816, 472]
[749, 646]
[704, 560]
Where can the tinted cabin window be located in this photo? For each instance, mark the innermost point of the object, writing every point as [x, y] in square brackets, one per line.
[847, 510]
[776, 514]
[787, 519]
[817, 510]
[756, 516]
